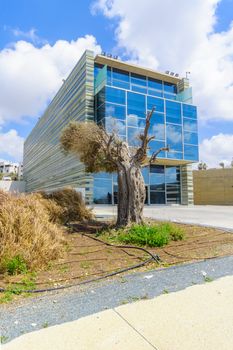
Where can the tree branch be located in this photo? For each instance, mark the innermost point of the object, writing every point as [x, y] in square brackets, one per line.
[142, 150]
[155, 154]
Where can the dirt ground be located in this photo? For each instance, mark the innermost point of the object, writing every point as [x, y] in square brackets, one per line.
[87, 258]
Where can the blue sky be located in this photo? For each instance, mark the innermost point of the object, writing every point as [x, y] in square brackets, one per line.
[114, 28]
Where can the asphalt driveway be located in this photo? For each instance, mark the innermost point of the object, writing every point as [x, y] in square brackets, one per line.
[207, 215]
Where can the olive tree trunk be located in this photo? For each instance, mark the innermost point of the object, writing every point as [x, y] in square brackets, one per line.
[131, 195]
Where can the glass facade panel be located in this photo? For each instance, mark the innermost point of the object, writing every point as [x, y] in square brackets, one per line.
[133, 136]
[190, 124]
[190, 152]
[169, 87]
[157, 126]
[190, 137]
[158, 103]
[155, 93]
[120, 75]
[189, 111]
[138, 79]
[174, 137]
[133, 120]
[102, 192]
[155, 146]
[157, 197]
[115, 95]
[145, 174]
[116, 125]
[136, 104]
[173, 112]
[113, 110]
[155, 84]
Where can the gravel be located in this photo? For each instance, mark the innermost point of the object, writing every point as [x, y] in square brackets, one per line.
[58, 307]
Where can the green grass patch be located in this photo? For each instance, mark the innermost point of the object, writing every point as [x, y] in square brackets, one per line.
[26, 284]
[15, 265]
[156, 235]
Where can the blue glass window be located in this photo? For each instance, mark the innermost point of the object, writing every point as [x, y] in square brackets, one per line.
[155, 84]
[158, 103]
[115, 95]
[102, 193]
[145, 174]
[172, 174]
[190, 152]
[120, 75]
[120, 78]
[133, 136]
[140, 89]
[189, 111]
[155, 93]
[133, 120]
[113, 124]
[115, 111]
[97, 68]
[169, 87]
[157, 178]
[109, 76]
[136, 104]
[173, 112]
[190, 137]
[157, 197]
[170, 96]
[157, 126]
[138, 79]
[174, 137]
[100, 113]
[175, 155]
[190, 124]
[155, 146]
[100, 98]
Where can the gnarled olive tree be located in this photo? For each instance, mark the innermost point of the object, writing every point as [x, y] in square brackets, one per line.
[100, 151]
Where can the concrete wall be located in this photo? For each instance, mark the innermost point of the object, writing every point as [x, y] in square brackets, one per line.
[213, 186]
[186, 184]
[12, 186]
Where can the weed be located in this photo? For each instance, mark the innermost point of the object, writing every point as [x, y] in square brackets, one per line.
[3, 339]
[156, 235]
[45, 324]
[15, 265]
[165, 291]
[208, 279]
[64, 269]
[85, 265]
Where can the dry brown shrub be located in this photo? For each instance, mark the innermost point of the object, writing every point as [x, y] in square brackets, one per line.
[26, 230]
[72, 204]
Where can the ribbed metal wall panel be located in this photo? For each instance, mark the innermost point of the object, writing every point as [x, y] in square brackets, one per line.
[46, 167]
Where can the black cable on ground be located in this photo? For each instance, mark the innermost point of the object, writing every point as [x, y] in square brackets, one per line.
[152, 258]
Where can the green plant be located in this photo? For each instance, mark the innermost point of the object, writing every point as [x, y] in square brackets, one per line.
[3, 339]
[15, 265]
[208, 279]
[156, 235]
[45, 324]
[85, 265]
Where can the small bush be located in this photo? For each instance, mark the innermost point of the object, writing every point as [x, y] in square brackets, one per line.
[27, 234]
[15, 265]
[150, 235]
[71, 203]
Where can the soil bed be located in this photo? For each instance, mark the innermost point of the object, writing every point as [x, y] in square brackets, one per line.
[87, 258]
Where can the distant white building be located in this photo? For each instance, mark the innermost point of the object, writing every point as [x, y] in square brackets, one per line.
[9, 167]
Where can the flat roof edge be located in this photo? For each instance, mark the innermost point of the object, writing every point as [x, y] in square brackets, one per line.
[133, 68]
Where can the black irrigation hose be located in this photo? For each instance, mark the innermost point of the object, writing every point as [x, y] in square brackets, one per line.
[152, 257]
[2, 290]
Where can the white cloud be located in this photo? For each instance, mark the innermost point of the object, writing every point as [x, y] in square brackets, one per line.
[179, 36]
[30, 76]
[218, 148]
[11, 145]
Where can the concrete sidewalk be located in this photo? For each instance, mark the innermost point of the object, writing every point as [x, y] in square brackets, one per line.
[199, 317]
[207, 215]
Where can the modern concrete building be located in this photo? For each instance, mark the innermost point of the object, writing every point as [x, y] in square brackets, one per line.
[117, 95]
